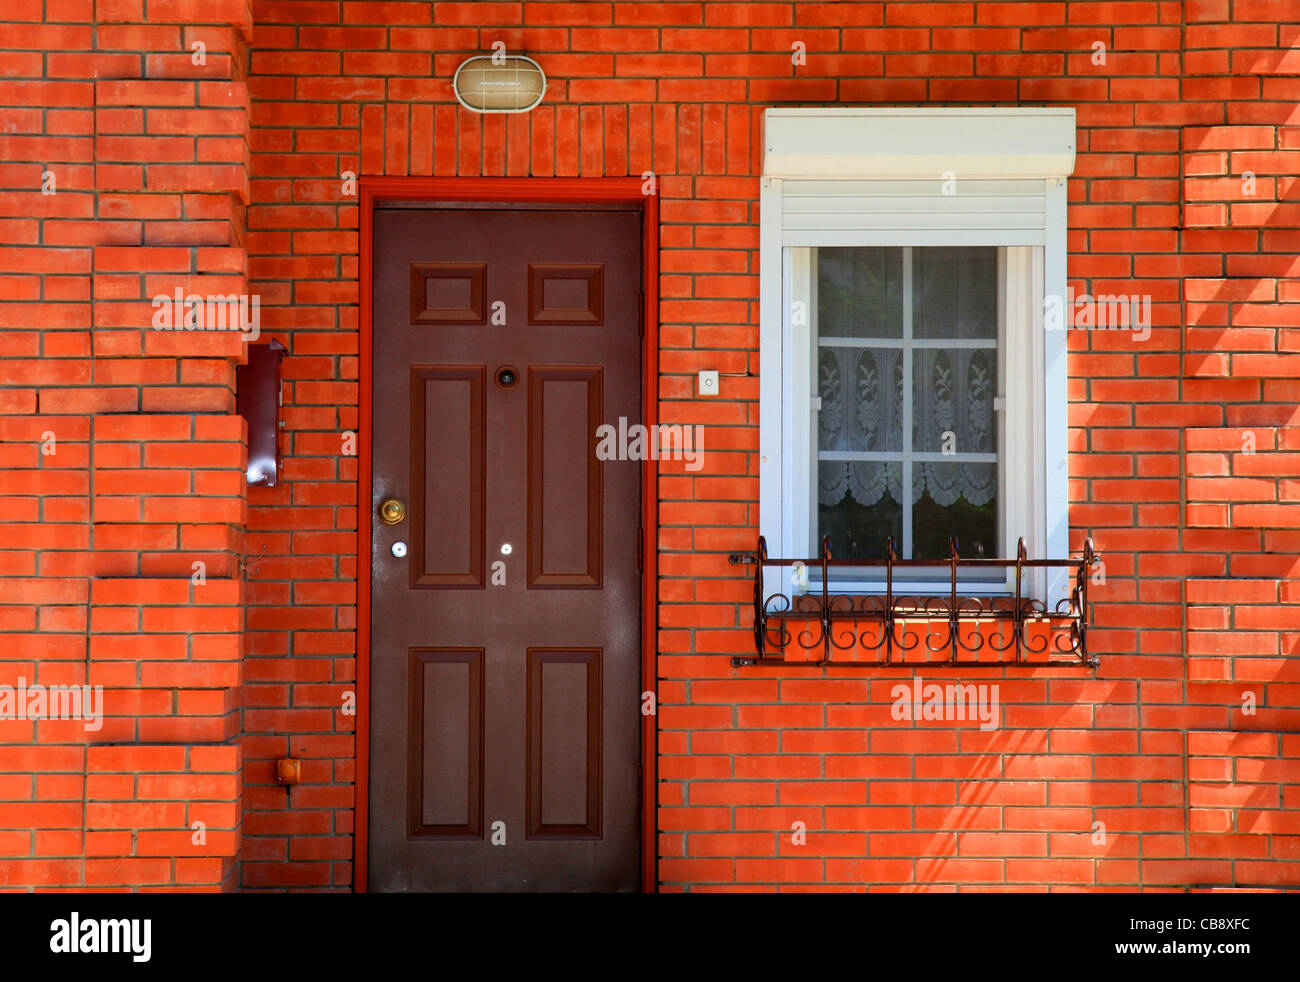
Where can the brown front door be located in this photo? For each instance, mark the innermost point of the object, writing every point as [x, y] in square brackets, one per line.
[505, 648]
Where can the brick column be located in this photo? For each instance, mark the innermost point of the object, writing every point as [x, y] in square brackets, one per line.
[123, 176]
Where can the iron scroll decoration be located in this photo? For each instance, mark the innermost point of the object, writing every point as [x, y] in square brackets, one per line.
[822, 620]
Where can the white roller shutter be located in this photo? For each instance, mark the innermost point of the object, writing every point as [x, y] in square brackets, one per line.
[826, 213]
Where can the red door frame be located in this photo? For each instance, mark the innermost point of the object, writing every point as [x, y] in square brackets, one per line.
[523, 190]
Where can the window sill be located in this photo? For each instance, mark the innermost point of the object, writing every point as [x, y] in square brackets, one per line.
[979, 589]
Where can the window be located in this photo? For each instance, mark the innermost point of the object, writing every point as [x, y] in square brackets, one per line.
[917, 395]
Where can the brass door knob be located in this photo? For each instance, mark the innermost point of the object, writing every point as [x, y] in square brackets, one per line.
[392, 511]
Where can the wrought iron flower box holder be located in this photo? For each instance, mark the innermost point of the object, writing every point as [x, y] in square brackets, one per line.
[823, 620]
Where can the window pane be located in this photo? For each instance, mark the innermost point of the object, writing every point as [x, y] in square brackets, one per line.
[860, 293]
[952, 400]
[955, 292]
[858, 507]
[933, 524]
[944, 346]
[862, 399]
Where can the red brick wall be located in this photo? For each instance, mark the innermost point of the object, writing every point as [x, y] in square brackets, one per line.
[122, 466]
[1199, 537]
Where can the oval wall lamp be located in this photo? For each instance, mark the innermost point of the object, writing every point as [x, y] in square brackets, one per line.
[513, 84]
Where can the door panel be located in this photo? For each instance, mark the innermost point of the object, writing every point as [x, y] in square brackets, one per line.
[447, 476]
[505, 643]
[445, 726]
[564, 478]
[564, 731]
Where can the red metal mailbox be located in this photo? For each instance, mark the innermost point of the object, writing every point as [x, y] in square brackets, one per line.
[258, 399]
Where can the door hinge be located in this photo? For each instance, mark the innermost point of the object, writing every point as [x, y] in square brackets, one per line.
[640, 549]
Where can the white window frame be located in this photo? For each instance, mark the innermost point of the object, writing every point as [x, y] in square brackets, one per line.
[841, 146]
